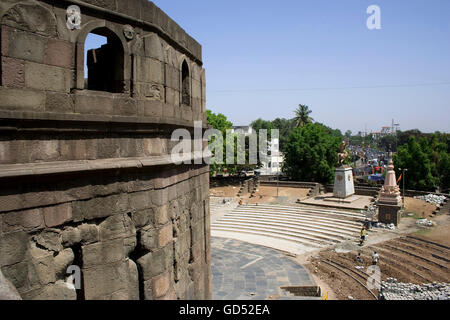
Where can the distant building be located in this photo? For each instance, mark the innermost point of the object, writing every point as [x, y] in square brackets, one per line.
[247, 130]
[275, 160]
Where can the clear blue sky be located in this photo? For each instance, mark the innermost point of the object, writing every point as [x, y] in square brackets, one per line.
[263, 58]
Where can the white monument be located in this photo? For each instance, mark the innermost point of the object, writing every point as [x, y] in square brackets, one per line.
[343, 176]
[343, 182]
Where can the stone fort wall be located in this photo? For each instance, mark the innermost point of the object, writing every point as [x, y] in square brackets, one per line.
[86, 176]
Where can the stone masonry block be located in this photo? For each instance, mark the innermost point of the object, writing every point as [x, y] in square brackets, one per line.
[150, 108]
[59, 102]
[44, 77]
[21, 99]
[13, 73]
[140, 200]
[118, 226]
[165, 235]
[104, 252]
[14, 248]
[93, 103]
[161, 285]
[102, 281]
[27, 220]
[60, 53]
[26, 46]
[57, 215]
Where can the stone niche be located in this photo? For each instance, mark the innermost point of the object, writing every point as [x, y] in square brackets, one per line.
[86, 177]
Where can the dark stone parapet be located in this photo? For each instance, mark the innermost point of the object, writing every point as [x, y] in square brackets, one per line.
[148, 15]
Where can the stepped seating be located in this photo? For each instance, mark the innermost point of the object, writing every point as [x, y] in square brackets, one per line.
[310, 226]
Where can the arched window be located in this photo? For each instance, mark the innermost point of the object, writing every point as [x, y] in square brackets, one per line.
[104, 61]
[185, 84]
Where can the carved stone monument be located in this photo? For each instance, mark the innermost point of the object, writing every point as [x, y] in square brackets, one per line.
[343, 177]
[389, 201]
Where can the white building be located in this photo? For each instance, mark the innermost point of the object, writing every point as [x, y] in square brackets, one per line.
[247, 130]
[275, 160]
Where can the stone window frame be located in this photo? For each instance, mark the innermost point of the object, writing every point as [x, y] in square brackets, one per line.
[79, 55]
[184, 60]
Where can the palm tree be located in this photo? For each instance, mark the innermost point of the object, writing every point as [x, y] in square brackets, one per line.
[302, 115]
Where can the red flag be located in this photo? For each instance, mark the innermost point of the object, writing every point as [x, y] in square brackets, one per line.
[399, 178]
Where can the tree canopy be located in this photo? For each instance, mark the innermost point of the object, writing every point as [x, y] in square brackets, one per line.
[302, 117]
[311, 153]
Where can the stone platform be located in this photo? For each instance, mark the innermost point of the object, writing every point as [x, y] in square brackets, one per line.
[329, 200]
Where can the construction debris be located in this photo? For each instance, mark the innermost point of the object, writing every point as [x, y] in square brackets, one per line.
[425, 222]
[389, 226]
[393, 290]
[433, 199]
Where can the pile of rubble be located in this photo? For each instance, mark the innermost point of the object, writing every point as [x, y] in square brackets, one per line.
[433, 199]
[425, 222]
[393, 290]
[370, 211]
[389, 226]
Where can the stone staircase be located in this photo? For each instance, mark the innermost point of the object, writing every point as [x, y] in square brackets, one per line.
[302, 228]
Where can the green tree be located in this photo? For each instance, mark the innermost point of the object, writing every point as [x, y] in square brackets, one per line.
[218, 121]
[412, 157]
[311, 153]
[221, 123]
[285, 126]
[302, 117]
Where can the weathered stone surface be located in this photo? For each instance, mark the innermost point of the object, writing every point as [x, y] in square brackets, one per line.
[100, 207]
[89, 233]
[31, 17]
[59, 102]
[57, 291]
[161, 285]
[102, 281]
[155, 263]
[41, 270]
[70, 236]
[44, 77]
[49, 239]
[7, 289]
[128, 228]
[103, 253]
[57, 215]
[150, 108]
[165, 235]
[62, 261]
[28, 220]
[21, 99]
[118, 226]
[13, 73]
[153, 47]
[60, 53]
[13, 248]
[93, 103]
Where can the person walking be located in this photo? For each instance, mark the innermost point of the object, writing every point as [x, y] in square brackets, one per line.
[375, 258]
[363, 235]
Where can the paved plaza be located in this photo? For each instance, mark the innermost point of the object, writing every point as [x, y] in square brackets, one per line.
[244, 271]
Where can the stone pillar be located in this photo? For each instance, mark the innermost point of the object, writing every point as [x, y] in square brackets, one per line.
[343, 183]
[389, 201]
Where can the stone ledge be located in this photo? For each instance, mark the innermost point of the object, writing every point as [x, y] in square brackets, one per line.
[59, 167]
[45, 116]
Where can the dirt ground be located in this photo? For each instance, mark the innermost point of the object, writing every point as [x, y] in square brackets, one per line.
[265, 194]
[440, 233]
[403, 258]
[419, 208]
